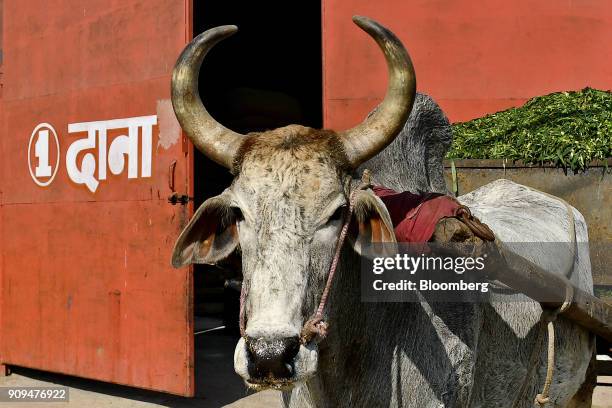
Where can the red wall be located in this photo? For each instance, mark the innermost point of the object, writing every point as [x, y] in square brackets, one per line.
[473, 57]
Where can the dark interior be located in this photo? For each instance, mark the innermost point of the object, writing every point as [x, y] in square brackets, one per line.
[265, 76]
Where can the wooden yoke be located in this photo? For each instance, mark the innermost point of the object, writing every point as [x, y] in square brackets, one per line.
[528, 278]
[522, 275]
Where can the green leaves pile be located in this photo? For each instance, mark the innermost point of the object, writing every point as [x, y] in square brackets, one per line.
[565, 129]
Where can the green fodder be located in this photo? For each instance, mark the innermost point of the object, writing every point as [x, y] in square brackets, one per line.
[565, 129]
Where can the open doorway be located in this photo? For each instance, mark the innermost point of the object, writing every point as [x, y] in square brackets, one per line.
[266, 76]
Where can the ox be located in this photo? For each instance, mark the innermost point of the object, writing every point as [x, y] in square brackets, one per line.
[284, 211]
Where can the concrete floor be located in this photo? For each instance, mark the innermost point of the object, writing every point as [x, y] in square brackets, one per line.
[603, 393]
[216, 383]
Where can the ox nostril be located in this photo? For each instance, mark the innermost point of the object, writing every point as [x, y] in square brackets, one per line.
[292, 347]
[272, 358]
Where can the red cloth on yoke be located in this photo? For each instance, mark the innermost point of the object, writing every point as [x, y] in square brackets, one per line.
[415, 216]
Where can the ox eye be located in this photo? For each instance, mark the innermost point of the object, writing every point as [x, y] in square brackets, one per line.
[338, 215]
[237, 213]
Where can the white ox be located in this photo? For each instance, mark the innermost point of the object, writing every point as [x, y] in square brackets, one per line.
[284, 211]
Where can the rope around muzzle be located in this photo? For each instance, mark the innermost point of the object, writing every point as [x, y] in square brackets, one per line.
[316, 326]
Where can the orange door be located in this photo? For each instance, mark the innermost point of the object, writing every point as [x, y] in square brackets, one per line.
[90, 152]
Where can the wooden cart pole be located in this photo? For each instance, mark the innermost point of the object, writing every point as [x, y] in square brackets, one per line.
[549, 289]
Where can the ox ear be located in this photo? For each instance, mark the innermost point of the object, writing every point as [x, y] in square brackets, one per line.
[371, 222]
[210, 236]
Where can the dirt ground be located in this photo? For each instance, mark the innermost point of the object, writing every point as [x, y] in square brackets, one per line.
[216, 383]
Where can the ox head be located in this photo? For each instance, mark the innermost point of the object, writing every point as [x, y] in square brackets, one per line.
[285, 208]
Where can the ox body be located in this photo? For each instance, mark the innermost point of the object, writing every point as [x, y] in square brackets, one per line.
[460, 354]
[283, 214]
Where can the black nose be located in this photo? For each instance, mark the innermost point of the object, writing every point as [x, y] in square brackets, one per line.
[272, 358]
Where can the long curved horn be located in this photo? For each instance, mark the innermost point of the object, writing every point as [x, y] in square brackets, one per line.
[210, 137]
[381, 127]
